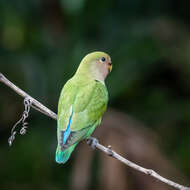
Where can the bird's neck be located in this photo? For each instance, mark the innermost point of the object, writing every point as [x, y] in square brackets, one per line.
[91, 73]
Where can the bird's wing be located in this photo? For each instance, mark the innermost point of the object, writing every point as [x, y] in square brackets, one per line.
[76, 136]
[80, 109]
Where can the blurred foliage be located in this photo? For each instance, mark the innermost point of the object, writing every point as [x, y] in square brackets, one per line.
[41, 45]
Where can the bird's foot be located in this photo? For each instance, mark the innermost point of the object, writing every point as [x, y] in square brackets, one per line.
[92, 142]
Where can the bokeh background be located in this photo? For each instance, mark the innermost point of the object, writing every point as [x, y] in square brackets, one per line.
[148, 121]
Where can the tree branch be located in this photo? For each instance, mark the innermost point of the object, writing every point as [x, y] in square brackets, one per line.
[34, 103]
[94, 143]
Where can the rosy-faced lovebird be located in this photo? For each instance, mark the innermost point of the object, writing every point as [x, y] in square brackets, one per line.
[82, 102]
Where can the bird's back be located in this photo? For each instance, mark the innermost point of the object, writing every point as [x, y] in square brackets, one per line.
[88, 99]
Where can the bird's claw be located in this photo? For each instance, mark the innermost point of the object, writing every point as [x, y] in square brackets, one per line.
[92, 142]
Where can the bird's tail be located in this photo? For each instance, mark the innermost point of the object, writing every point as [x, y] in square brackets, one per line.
[63, 155]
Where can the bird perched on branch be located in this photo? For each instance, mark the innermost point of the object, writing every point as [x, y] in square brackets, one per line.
[82, 102]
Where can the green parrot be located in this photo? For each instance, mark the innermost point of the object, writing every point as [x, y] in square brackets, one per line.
[82, 102]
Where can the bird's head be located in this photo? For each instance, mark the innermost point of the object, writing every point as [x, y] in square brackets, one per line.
[97, 65]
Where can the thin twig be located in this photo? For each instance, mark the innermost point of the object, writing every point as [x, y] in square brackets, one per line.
[35, 104]
[41, 108]
[146, 171]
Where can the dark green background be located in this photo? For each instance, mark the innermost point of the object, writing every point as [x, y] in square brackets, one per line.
[41, 45]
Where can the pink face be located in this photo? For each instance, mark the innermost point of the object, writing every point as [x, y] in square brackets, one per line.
[105, 65]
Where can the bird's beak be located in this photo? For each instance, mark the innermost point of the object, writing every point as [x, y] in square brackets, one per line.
[110, 67]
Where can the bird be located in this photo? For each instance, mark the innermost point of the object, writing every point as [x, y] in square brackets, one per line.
[82, 103]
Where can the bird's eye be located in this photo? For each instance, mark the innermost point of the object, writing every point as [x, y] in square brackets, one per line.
[103, 59]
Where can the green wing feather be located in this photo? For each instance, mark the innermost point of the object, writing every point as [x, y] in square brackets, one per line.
[88, 99]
